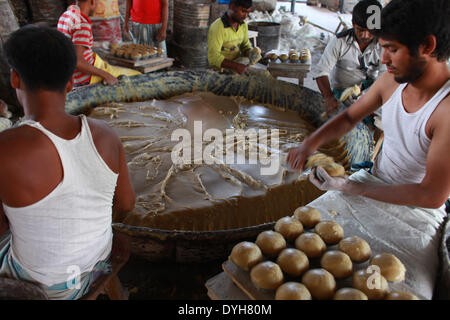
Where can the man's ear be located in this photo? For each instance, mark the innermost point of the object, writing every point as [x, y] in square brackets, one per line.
[69, 85]
[15, 79]
[429, 45]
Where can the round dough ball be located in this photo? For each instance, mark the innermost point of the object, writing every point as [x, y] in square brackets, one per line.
[333, 169]
[316, 159]
[350, 294]
[271, 243]
[293, 262]
[357, 248]
[311, 244]
[337, 263]
[391, 267]
[373, 284]
[292, 291]
[267, 275]
[308, 216]
[401, 295]
[320, 283]
[289, 227]
[246, 255]
[330, 231]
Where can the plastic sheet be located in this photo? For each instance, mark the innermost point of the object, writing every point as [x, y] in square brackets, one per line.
[412, 234]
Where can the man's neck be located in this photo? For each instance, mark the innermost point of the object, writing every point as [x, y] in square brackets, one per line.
[44, 105]
[435, 75]
[85, 8]
[234, 24]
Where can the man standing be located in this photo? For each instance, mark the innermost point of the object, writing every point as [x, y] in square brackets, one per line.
[228, 38]
[76, 25]
[351, 58]
[62, 177]
[148, 22]
[415, 103]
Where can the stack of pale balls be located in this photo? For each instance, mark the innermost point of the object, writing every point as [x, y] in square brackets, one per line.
[285, 253]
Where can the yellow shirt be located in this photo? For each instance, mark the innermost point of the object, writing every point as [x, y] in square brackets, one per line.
[226, 43]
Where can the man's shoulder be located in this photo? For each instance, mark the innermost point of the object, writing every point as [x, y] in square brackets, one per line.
[217, 23]
[101, 131]
[21, 140]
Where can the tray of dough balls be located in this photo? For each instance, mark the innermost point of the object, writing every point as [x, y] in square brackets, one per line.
[307, 258]
[134, 54]
[293, 58]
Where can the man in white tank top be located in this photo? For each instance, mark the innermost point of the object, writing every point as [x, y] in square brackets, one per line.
[61, 176]
[415, 101]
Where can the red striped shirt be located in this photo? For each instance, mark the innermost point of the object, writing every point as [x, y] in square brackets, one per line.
[75, 25]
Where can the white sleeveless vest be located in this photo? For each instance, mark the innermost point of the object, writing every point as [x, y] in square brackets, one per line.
[403, 158]
[69, 230]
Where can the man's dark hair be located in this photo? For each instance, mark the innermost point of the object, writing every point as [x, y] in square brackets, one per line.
[360, 15]
[242, 3]
[410, 22]
[44, 58]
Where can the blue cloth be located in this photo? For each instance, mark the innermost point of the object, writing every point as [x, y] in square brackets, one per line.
[74, 288]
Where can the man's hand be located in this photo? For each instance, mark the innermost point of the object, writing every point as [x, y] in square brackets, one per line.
[241, 68]
[331, 104]
[109, 79]
[160, 35]
[322, 180]
[254, 55]
[126, 27]
[297, 156]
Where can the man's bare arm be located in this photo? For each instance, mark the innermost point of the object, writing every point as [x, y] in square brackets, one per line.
[161, 34]
[126, 25]
[340, 124]
[434, 189]
[124, 196]
[331, 103]
[85, 67]
[238, 67]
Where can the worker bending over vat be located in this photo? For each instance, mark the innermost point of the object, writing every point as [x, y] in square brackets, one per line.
[412, 171]
[61, 178]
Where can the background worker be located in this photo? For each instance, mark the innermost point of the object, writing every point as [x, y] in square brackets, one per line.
[148, 22]
[351, 58]
[228, 39]
[62, 177]
[91, 69]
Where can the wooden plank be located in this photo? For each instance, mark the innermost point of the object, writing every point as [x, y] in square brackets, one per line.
[220, 287]
[290, 66]
[168, 62]
[133, 63]
[242, 279]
